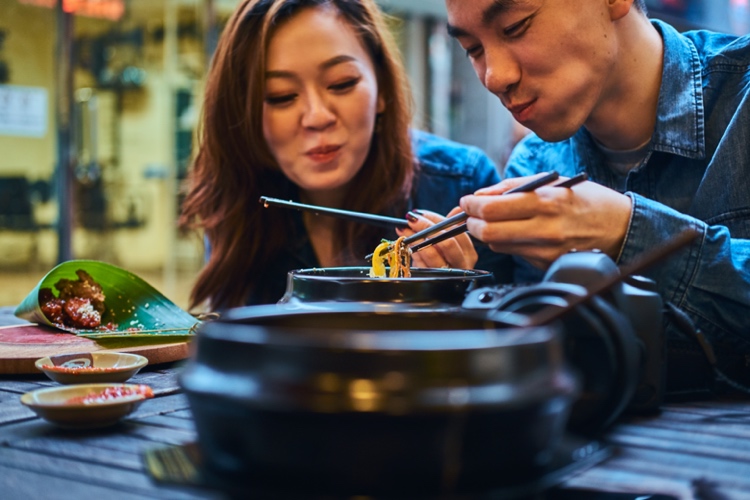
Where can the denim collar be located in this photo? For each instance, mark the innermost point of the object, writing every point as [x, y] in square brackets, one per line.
[680, 126]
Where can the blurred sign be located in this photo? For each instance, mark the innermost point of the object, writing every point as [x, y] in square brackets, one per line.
[105, 9]
[739, 16]
[669, 5]
[23, 111]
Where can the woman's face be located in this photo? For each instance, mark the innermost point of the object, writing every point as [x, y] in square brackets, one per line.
[320, 102]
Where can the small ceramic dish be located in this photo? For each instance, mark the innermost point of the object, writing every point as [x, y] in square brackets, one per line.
[91, 367]
[83, 406]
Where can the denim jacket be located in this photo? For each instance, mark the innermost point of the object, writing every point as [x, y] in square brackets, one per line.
[447, 171]
[695, 176]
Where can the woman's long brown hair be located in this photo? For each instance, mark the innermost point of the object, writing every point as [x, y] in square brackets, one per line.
[233, 166]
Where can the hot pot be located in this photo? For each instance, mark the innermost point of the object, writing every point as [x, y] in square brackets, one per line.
[428, 287]
[374, 400]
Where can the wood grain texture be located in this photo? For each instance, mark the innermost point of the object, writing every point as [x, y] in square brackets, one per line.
[696, 450]
[22, 345]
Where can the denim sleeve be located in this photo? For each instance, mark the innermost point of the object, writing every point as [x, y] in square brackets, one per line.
[709, 279]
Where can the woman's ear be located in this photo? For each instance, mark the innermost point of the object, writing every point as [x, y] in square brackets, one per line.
[381, 103]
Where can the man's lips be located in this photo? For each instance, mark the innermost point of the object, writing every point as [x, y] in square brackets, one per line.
[522, 112]
[518, 108]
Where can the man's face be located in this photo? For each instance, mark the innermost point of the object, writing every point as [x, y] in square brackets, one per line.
[549, 61]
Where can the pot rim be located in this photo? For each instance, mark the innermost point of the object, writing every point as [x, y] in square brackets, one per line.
[430, 274]
[257, 325]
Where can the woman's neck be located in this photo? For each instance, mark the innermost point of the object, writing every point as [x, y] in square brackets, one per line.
[333, 198]
[321, 229]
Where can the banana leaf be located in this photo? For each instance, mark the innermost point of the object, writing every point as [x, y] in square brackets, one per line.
[133, 308]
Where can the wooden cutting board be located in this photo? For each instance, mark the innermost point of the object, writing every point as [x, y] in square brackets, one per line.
[22, 345]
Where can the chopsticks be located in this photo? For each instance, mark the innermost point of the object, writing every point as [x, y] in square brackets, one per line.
[372, 219]
[461, 217]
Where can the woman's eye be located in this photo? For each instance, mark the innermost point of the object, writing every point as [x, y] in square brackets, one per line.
[518, 28]
[345, 85]
[279, 100]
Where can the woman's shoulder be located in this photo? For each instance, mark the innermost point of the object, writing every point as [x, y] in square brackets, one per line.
[440, 156]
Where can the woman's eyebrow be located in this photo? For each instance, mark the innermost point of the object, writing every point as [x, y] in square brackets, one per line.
[336, 60]
[279, 74]
[327, 64]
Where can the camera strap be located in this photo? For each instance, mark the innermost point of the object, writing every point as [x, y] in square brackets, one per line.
[683, 322]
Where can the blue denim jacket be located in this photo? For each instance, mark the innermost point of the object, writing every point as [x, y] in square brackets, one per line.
[447, 171]
[695, 176]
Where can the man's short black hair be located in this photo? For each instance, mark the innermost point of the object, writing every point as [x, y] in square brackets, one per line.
[640, 5]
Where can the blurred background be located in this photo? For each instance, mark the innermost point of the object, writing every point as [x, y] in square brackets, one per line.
[99, 103]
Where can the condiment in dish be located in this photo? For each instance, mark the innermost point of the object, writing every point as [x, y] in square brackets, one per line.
[86, 405]
[91, 367]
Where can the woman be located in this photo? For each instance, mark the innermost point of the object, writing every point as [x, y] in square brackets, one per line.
[307, 100]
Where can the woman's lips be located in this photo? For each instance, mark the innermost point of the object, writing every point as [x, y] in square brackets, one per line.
[323, 153]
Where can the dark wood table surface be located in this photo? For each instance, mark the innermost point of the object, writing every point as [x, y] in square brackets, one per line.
[689, 450]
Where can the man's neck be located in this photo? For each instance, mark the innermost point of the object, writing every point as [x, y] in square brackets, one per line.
[626, 114]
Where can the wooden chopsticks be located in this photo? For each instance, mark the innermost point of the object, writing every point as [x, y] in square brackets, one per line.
[461, 217]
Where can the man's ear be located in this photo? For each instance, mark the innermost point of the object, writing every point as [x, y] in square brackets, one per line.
[619, 8]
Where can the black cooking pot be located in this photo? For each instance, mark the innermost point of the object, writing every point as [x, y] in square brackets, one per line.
[366, 400]
[427, 287]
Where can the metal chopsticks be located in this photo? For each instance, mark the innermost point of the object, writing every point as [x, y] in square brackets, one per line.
[461, 228]
[372, 219]
[459, 218]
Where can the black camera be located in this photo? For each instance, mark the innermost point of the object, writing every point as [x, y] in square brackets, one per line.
[614, 340]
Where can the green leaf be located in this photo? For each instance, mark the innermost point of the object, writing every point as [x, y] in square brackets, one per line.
[130, 303]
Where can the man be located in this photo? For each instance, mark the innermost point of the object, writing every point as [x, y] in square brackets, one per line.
[659, 121]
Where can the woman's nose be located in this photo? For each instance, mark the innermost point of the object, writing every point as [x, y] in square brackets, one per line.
[318, 114]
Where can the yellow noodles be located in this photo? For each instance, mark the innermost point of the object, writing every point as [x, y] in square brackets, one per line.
[398, 257]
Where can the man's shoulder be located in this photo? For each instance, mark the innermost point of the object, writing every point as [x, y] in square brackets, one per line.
[532, 155]
[720, 50]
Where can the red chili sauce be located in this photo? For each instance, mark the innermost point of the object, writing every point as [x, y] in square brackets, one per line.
[70, 370]
[111, 394]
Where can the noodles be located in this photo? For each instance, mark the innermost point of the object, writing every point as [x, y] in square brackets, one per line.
[398, 257]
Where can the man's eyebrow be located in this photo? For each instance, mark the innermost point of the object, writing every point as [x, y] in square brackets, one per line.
[488, 16]
[454, 31]
[496, 8]
[327, 64]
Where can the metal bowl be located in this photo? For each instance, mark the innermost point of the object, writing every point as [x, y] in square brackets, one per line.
[368, 400]
[427, 287]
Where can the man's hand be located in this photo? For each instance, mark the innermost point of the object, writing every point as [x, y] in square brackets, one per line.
[544, 224]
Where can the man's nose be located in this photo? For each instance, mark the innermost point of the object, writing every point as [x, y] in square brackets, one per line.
[501, 72]
[318, 113]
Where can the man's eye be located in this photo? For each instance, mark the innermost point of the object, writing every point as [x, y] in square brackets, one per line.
[278, 100]
[518, 28]
[473, 51]
[345, 85]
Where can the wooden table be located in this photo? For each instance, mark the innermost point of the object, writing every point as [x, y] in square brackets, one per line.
[690, 450]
